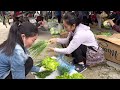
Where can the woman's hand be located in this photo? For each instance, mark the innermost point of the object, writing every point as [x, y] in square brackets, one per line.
[42, 69]
[53, 40]
[111, 22]
[50, 49]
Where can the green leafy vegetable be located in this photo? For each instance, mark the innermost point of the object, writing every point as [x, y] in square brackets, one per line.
[43, 74]
[73, 76]
[106, 33]
[37, 48]
[50, 64]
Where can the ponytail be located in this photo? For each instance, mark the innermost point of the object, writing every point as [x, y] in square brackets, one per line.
[14, 37]
[73, 18]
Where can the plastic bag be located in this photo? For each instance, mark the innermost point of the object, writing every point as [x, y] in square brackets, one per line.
[52, 24]
[64, 65]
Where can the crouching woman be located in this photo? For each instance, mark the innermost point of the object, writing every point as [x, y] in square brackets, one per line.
[81, 43]
[15, 62]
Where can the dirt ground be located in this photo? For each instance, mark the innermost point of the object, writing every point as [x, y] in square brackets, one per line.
[102, 71]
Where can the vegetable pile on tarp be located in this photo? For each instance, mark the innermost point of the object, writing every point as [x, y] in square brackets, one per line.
[37, 48]
[73, 76]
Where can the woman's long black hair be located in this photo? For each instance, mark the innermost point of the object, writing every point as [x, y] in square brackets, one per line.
[14, 36]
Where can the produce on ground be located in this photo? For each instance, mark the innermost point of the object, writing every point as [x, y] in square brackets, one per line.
[54, 31]
[50, 64]
[43, 74]
[103, 33]
[73, 76]
[106, 33]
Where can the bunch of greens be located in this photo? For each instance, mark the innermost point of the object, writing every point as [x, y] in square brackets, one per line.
[50, 64]
[37, 48]
[73, 76]
[43, 74]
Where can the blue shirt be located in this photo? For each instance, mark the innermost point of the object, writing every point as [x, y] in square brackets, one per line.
[15, 64]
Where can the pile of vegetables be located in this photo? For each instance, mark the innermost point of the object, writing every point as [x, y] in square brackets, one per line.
[64, 69]
[50, 64]
[73, 76]
[106, 33]
[43, 74]
[52, 20]
[37, 48]
[54, 31]
[103, 33]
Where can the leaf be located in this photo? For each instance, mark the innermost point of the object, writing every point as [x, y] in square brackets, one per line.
[37, 48]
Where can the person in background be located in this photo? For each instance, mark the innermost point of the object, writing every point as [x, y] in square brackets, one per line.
[79, 39]
[114, 26]
[59, 16]
[15, 62]
[42, 23]
[36, 15]
[3, 13]
[99, 19]
[45, 15]
[85, 17]
[53, 14]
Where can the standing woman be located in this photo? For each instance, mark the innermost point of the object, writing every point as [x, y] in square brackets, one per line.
[15, 63]
[81, 43]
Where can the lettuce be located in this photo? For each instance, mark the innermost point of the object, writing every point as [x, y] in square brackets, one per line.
[50, 64]
[73, 76]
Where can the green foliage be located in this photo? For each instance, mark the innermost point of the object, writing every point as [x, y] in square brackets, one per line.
[50, 64]
[106, 33]
[37, 48]
[43, 74]
[73, 76]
